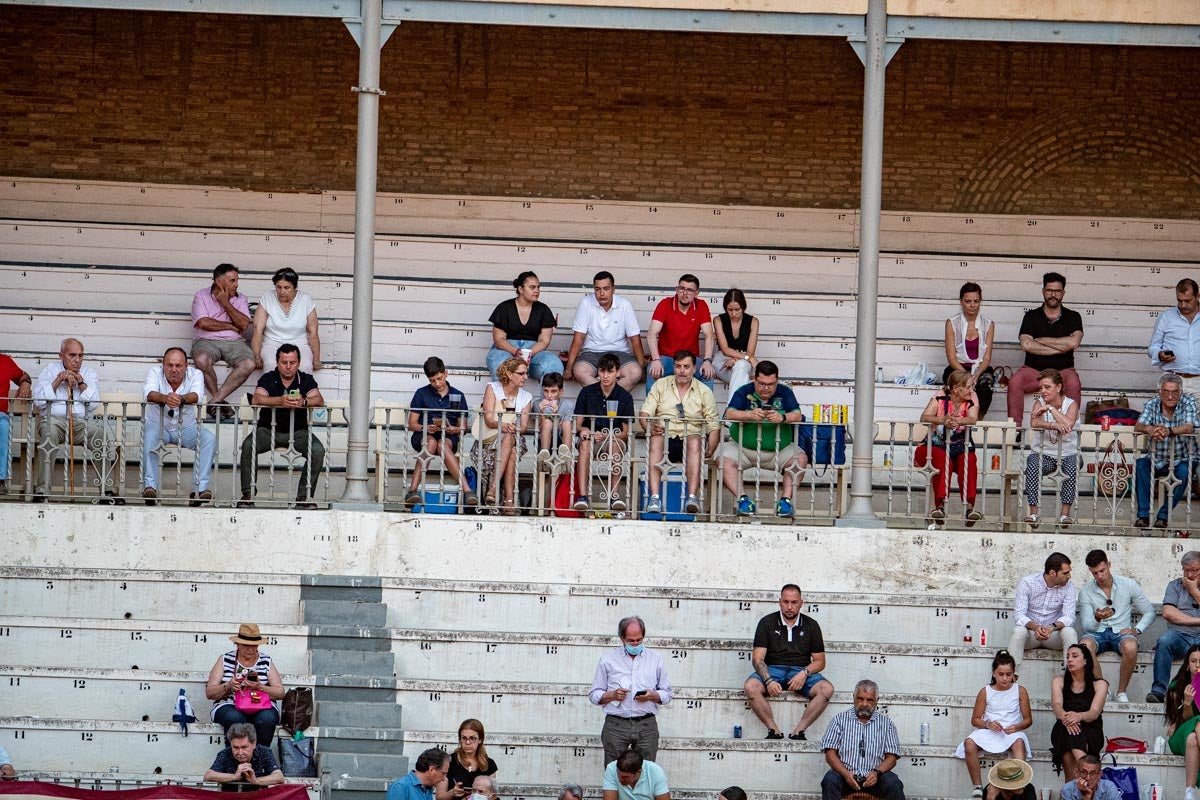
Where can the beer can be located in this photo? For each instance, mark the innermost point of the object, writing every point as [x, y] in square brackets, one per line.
[924, 733]
[995, 463]
[827, 413]
[983, 637]
[1104, 423]
[837, 415]
[737, 731]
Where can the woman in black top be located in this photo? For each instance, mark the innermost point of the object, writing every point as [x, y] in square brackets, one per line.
[1077, 699]
[524, 323]
[469, 761]
[737, 339]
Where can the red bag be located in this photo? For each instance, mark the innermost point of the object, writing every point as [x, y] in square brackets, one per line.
[563, 499]
[1125, 744]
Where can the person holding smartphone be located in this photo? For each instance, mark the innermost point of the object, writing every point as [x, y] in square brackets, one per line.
[245, 667]
[631, 684]
[285, 394]
[1175, 343]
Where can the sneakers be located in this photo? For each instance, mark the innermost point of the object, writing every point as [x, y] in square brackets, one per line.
[543, 460]
[1160, 523]
[195, 500]
[1141, 522]
[746, 506]
[783, 508]
[654, 505]
[581, 503]
[691, 505]
[150, 495]
[773, 734]
[617, 505]
[413, 498]
[246, 502]
[973, 516]
[976, 792]
[1122, 697]
[1189, 793]
[938, 515]
[470, 498]
[1153, 698]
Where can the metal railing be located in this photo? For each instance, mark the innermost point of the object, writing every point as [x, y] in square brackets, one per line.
[524, 471]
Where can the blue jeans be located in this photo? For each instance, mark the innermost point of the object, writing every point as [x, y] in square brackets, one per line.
[542, 363]
[4, 463]
[668, 365]
[1171, 647]
[783, 675]
[1144, 482]
[201, 468]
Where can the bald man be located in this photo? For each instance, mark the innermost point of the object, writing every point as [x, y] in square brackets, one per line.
[66, 395]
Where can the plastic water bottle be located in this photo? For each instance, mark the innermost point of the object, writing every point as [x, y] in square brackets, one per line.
[924, 733]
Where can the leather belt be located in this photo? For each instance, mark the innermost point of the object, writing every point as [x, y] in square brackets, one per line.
[1188, 374]
[636, 719]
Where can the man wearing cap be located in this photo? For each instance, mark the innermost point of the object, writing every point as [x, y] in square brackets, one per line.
[1088, 784]
[1106, 607]
[239, 670]
[631, 684]
[861, 748]
[1011, 779]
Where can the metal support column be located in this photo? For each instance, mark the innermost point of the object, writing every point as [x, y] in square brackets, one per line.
[357, 493]
[860, 513]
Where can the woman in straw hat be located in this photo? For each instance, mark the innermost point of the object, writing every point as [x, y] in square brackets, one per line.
[246, 677]
[1011, 779]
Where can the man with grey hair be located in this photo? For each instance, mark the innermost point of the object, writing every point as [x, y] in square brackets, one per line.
[1181, 610]
[631, 684]
[244, 760]
[861, 748]
[1175, 343]
[430, 770]
[1169, 420]
[66, 395]
[483, 788]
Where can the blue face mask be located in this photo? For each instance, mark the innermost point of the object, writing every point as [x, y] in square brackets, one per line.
[634, 651]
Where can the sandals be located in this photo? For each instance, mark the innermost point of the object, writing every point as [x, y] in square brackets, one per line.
[1065, 521]
[1033, 520]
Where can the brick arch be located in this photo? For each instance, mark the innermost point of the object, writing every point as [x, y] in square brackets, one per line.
[1005, 176]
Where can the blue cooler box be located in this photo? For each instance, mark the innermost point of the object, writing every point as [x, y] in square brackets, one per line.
[673, 496]
[438, 499]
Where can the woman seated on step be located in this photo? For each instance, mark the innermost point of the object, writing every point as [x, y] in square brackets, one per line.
[467, 762]
[245, 686]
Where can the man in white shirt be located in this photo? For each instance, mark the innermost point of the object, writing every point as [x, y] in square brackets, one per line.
[173, 391]
[605, 323]
[1044, 609]
[66, 394]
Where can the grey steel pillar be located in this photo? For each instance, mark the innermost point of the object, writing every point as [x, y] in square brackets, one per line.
[357, 492]
[860, 512]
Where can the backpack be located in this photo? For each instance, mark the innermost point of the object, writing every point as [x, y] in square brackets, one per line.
[297, 709]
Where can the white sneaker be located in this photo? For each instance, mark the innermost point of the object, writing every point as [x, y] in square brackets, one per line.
[1124, 698]
[1189, 793]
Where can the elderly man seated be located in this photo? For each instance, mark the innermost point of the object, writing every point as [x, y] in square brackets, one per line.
[1169, 420]
[764, 414]
[173, 392]
[66, 395]
[244, 761]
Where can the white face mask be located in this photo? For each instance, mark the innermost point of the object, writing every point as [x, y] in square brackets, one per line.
[478, 796]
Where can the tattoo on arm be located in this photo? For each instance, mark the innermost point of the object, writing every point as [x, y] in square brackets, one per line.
[761, 668]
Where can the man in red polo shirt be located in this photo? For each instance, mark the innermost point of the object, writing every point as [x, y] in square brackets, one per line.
[677, 325]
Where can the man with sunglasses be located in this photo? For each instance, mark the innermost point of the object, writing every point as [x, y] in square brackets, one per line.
[1181, 610]
[1105, 611]
[677, 324]
[764, 414]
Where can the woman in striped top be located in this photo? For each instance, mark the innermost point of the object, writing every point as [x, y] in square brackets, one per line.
[245, 668]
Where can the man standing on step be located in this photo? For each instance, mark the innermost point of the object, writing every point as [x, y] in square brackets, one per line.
[861, 748]
[788, 655]
[1044, 610]
[430, 769]
[1105, 612]
[631, 684]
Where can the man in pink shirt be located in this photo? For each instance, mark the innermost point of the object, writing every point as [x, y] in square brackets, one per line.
[220, 318]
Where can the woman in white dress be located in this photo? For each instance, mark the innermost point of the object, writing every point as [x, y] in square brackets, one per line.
[286, 316]
[1000, 718]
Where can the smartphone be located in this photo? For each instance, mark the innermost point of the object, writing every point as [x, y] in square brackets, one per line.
[641, 693]
[1169, 353]
[293, 393]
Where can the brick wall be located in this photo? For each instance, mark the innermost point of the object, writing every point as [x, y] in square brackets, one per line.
[266, 103]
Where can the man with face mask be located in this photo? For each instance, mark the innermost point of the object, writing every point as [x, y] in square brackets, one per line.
[861, 748]
[631, 683]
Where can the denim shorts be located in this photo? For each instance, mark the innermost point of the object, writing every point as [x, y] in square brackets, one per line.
[1107, 640]
[782, 675]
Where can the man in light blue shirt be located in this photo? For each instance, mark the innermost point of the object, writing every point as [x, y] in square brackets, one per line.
[631, 684]
[428, 772]
[1175, 344]
[1087, 784]
[1105, 614]
[631, 777]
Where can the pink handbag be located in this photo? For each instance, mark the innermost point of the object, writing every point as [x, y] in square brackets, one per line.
[251, 700]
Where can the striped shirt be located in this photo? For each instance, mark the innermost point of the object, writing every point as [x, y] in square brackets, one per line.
[861, 746]
[230, 667]
[1044, 605]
